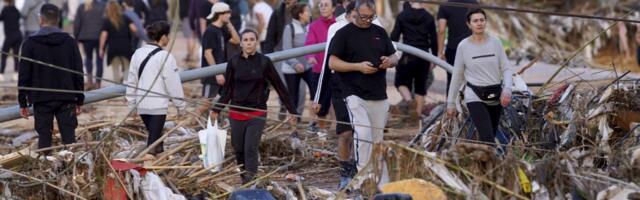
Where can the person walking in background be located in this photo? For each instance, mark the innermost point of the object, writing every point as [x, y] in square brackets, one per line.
[278, 20]
[116, 35]
[248, 76]
[297, 69]
[152, 10]
[638, 44]
[318, 31]
[453, 19]
[86, 28]
[260, 14]
[10, 16]
[51, 45]
[418, 29]
[214, 46]
[149, 62]
[482, 62]
[361, 52]
[141, 34]
[187, 31]
[29, 13]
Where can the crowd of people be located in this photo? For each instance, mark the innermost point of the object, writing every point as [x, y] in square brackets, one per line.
[349, 76]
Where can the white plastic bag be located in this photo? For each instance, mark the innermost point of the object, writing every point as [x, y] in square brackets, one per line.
[212, 144]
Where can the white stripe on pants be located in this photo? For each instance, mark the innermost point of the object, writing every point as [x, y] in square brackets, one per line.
[369, 119]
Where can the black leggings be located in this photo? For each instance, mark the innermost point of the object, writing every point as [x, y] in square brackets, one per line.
[245, 138]
[293, 85]
[10, 43]
[485, 118]
[154, 124]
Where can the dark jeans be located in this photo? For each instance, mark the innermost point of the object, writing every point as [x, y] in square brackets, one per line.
[450, 55]
[154, 124]
[65, 114]
[293, 85]
[485, 118]
[245, 139]
[10, 43]
[89, 47]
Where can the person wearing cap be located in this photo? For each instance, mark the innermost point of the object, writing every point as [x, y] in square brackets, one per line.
[53, 46]
[214, 47]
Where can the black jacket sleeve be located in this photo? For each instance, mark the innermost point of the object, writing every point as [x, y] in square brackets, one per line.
[433, 36]
[274, 79]
[24, 75]
[78, 80]
[397, 29]
[227, 88]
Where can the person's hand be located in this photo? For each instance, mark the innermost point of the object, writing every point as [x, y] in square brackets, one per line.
[213, 115]
[299, 68]
[316, 107]
[24, 112]
[220, 79]
[451, 112]
[367, 68]
[441, 56]
[505, 98]
[293, 121]
[386, 62]
[78, 110]
[101, 53]
[312, 61]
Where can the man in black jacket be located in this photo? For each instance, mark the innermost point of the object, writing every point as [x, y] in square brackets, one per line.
[51, 45]
[278, 20]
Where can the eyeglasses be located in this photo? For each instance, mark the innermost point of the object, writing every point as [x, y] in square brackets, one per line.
[367, 18]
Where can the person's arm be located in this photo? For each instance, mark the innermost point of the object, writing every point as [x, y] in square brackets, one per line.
[77, 22]
[262, 22]
[103, 40]
[131, 82]
[311, 38]
[78, 79]
[227, 89]
[132, 27]
[391, 60]
[203, 25]
[173, 84]
[24, 75]
[457, 80]
[442, 28]
[208, 55]
[397, 29]
[235, 38]
[507, 75]
[271, 39]
[274, 79]
[287, 43]
[433, 38]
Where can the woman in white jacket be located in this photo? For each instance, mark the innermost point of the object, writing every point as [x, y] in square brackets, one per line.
[153, 69]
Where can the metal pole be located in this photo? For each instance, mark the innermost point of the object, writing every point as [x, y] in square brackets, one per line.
[13, 112]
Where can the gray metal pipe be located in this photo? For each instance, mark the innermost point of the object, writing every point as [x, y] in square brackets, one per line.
[13, 112]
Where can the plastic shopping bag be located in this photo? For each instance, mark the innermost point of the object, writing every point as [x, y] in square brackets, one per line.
[212, 144]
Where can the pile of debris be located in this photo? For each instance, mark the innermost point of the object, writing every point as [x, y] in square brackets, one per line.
[576, 142]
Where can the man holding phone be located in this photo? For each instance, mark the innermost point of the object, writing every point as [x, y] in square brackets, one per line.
[360, 53]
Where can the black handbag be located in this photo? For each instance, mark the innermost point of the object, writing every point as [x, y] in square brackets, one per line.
[487, 93]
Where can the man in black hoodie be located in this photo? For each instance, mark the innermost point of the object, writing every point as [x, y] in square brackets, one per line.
[51, 45]
[418, 29]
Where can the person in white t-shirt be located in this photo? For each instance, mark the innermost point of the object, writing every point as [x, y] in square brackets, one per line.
[261, 13]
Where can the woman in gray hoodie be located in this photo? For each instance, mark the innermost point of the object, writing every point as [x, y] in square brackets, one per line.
[297, 69]
[86, 28]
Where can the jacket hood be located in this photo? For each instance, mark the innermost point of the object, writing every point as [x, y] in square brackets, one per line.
[50, 36]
